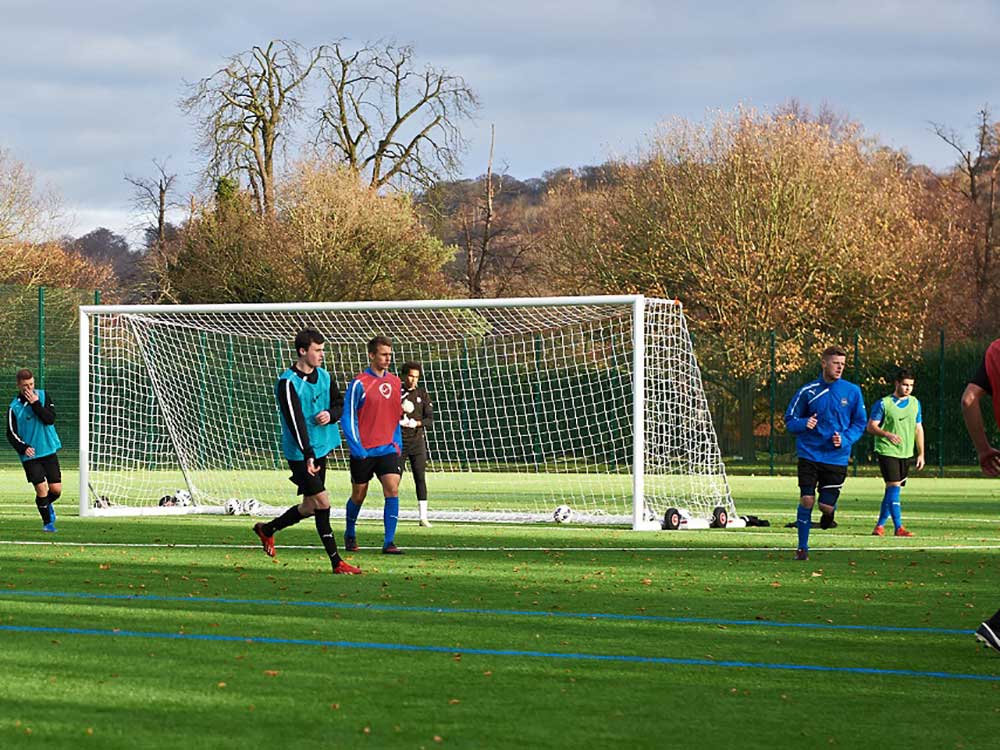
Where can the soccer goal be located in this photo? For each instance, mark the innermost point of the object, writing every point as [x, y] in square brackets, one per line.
[595, 403]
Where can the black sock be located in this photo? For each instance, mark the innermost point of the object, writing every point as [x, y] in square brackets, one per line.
[326, 534]
[42, 503]
[289, 518]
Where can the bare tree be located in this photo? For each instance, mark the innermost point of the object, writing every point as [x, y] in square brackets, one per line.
[152, 197]
[243, 111]
[26, 212]
[977, 183]
[494, 225]
[477, 249]
[389, 120]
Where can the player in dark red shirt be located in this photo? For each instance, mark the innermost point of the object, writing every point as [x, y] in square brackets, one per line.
[372, 412]
[986, 382]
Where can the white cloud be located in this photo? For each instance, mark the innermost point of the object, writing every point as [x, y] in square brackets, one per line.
[90, 90]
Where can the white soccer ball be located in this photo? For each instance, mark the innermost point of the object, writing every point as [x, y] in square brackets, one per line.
[183, 497]
[233, 506]
[251, 507]
[408, 406]
[562, 514]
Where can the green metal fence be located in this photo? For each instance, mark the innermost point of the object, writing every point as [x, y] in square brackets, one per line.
[942, 371]
[41, 328]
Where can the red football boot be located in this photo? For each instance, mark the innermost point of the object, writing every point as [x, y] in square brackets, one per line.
[344, 568]
[265, 540]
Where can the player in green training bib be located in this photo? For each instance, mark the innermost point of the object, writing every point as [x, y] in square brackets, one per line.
[897, 424]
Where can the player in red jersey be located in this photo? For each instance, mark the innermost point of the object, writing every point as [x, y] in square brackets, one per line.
[986, 382]
[372, 412]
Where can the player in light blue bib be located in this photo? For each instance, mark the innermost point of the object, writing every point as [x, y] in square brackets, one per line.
[31, 431]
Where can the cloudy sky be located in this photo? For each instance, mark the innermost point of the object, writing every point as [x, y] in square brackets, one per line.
[89, 90]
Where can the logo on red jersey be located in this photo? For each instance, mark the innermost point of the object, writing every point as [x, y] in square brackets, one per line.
[385, 389]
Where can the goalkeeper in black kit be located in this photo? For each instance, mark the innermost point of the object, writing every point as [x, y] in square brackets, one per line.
[418, 413]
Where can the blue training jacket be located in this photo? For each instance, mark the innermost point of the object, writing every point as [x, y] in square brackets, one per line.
[839, 407]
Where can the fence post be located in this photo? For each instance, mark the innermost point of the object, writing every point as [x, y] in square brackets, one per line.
[94, 358]
[230, 397]
[536, 401]
[41, 337]
[464, 411]
[940, 430]
[773, 397]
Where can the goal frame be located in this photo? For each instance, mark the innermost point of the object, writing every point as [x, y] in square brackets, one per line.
[641, 520]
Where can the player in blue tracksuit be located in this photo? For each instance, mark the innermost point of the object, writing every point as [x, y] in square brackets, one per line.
[31, 431]
[827, 416]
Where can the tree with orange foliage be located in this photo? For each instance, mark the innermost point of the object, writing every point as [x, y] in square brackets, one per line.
[756, 222]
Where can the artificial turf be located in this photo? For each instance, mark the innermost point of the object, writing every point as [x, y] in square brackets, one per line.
[180, 632]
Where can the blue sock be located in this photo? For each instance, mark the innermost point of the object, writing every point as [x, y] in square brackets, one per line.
[892, 495]
[883, 513]
[803, 520]
[352, 518]
[390, 517]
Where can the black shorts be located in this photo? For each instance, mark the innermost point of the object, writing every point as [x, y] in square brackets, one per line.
[825, 476]
[44, 469]
[893, 469]
[414, 447]
[308, 484]
[363, 469]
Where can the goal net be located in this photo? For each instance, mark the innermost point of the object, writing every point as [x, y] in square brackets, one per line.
[594, 403]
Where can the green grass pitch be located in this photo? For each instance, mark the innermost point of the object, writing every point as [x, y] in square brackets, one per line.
[180, 632]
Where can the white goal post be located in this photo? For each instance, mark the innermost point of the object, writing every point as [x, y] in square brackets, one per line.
[595, 403]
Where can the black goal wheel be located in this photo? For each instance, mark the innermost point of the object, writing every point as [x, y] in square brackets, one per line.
[672, 519]
[720, 518]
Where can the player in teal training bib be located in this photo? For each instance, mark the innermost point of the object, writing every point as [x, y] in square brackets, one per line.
[31, 431]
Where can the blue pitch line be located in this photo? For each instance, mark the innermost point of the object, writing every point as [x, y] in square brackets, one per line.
[472, 611]
[495, 652]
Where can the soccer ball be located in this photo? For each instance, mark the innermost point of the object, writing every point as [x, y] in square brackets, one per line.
[233, 506]
[562, 514]
[408, 406]
[251, 507]
[183, 497]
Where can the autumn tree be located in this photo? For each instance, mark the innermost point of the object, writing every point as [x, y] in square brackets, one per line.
[756, 222]
[353, 243]
[245, 110]
[29, 222]
[106, 247]
[390, 119]
[974, 179]
[330, 238]
[227, 253]
[495, 222]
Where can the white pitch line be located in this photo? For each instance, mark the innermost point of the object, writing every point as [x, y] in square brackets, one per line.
[781, 548]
